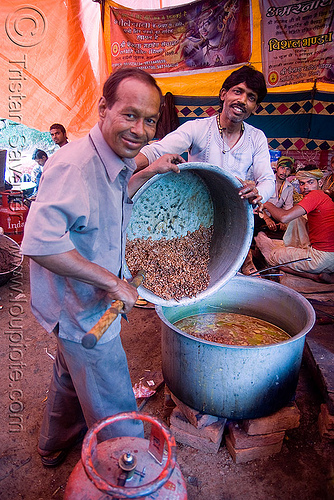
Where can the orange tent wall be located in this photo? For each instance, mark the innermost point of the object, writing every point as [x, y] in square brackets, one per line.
[52, 62]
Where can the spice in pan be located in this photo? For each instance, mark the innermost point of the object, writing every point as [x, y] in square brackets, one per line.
[175, 268]
[232, 329]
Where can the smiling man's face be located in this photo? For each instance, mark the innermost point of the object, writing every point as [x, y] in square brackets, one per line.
[131, 121]
[239, 102]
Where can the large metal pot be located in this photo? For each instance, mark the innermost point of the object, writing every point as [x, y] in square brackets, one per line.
[168, 205]
[231, 381]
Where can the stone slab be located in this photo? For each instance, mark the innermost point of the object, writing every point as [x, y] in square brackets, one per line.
[214, 432]
[319, 348]
[284, 419]
[199, 442]
[195, 417]
[307, 286]
[248, 454]
[320, 361]
[240, 439]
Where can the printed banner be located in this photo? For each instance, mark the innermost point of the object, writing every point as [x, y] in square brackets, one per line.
[204, 35]
[297, 41]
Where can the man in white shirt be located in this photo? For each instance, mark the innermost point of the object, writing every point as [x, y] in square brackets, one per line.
[225, 139]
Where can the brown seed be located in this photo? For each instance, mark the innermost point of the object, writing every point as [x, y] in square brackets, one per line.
[174, 268]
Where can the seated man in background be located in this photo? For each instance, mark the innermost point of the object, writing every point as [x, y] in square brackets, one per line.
[320, 212]
[282, 198]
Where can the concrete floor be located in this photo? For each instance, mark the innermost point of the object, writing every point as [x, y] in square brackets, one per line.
[303, 470]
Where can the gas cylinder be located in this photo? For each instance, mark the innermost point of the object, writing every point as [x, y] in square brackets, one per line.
[127, 467]
[13, 214]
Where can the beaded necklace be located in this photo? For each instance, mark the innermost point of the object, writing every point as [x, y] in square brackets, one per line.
[280, 190]
[221, 131]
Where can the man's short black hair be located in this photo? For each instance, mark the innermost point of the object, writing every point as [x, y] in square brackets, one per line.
[39, 154]
[111, 85]
[58, 126]
[253, 78]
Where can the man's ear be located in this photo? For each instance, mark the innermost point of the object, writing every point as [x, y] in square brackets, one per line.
[222, 94]
[102, 107]
[320, 183]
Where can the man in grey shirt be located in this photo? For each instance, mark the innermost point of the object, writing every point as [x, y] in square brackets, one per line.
[75, 237]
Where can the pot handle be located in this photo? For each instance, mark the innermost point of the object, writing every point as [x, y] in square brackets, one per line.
[90, 339]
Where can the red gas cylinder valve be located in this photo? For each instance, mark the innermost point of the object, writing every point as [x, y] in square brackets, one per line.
[127, 467]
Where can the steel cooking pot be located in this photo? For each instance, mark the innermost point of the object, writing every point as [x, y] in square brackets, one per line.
[237, 382]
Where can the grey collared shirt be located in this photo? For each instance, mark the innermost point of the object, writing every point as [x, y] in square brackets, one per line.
[82, 204]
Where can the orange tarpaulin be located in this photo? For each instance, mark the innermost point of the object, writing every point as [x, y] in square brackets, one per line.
[52, 63]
